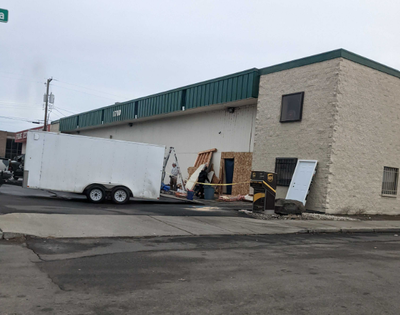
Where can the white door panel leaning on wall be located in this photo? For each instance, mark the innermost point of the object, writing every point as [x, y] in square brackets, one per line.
[301, 180]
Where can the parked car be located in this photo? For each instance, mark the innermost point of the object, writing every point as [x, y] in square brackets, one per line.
[5, 172]
[16, 166]
[4, 164]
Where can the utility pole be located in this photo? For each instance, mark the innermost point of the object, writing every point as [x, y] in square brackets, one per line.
[47, 104]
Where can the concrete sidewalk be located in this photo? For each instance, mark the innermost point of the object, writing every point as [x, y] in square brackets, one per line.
[84, 226]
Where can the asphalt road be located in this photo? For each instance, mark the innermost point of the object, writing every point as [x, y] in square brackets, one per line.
[285, 274]
[15, 199]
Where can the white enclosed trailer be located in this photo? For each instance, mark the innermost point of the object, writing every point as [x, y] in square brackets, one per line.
[99, 168]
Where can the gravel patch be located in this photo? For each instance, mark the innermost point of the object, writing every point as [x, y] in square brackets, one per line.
[304, 216]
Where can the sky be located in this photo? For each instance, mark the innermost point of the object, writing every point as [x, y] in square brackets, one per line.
[101, 52]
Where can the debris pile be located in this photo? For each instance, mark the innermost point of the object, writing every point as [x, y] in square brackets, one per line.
[231, 198]
[303, 216]
[287, 206]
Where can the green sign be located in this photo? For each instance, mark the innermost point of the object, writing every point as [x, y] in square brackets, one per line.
[3, 15]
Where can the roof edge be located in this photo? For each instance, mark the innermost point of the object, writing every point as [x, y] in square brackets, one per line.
[369, 63]
[169, 91]
[302, 62]
[338, 53]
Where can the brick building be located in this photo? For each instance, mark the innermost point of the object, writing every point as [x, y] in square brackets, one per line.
[8, 147]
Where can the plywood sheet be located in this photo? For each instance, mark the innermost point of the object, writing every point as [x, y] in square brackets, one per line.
[241, 171]
[204, 157]
[191, 170]
[215, 180]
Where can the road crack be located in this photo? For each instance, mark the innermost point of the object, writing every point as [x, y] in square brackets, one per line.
[171, 225]
[42, 261]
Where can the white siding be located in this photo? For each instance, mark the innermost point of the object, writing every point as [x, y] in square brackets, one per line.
[191, 133]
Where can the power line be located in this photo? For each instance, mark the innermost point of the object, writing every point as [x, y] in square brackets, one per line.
[59, 112]
[18, 74]
[21, 79]
[65, 110]
[63, 87]
[18, 107]
[22, 119]
[8, 105]
[84, 87]
[8, 102]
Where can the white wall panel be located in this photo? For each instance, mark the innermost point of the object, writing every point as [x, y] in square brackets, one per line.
[190, 134]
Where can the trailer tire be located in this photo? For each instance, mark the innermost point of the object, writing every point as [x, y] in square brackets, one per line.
[96, 194]
[120, 195]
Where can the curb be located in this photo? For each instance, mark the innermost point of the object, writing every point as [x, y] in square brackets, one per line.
[324, 230]
[354, 230]
[12, 236]
[358, 230]
[387, 230]
[20, 236]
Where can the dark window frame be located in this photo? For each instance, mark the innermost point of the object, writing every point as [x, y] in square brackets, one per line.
[300, 109]
[282, 176]
[13, 148]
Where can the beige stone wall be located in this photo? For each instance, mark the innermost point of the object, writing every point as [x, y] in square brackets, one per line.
[366, 138]
[55, 127]
[309, 139]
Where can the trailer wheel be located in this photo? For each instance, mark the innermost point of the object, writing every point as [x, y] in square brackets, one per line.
[96, 194]
[120, 195]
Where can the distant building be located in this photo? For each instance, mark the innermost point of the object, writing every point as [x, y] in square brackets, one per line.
[20, 137]
[8, 147]
[337, 107]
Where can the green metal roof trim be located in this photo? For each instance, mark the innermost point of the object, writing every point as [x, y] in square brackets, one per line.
[339, 53]
[90, 119]
[68, 123]
[369, 63]
[234, 87]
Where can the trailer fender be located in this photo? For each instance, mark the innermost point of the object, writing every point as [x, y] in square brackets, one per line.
[121, 186]
[87, 188]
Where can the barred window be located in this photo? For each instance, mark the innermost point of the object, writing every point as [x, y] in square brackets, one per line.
[390, 180]
[284, 168]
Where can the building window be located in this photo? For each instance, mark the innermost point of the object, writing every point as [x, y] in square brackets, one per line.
[390, 180]
[13, 149]
[284, 169]
[292, 107]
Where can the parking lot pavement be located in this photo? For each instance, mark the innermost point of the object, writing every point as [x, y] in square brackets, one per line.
[15, 199]
[273, 274]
